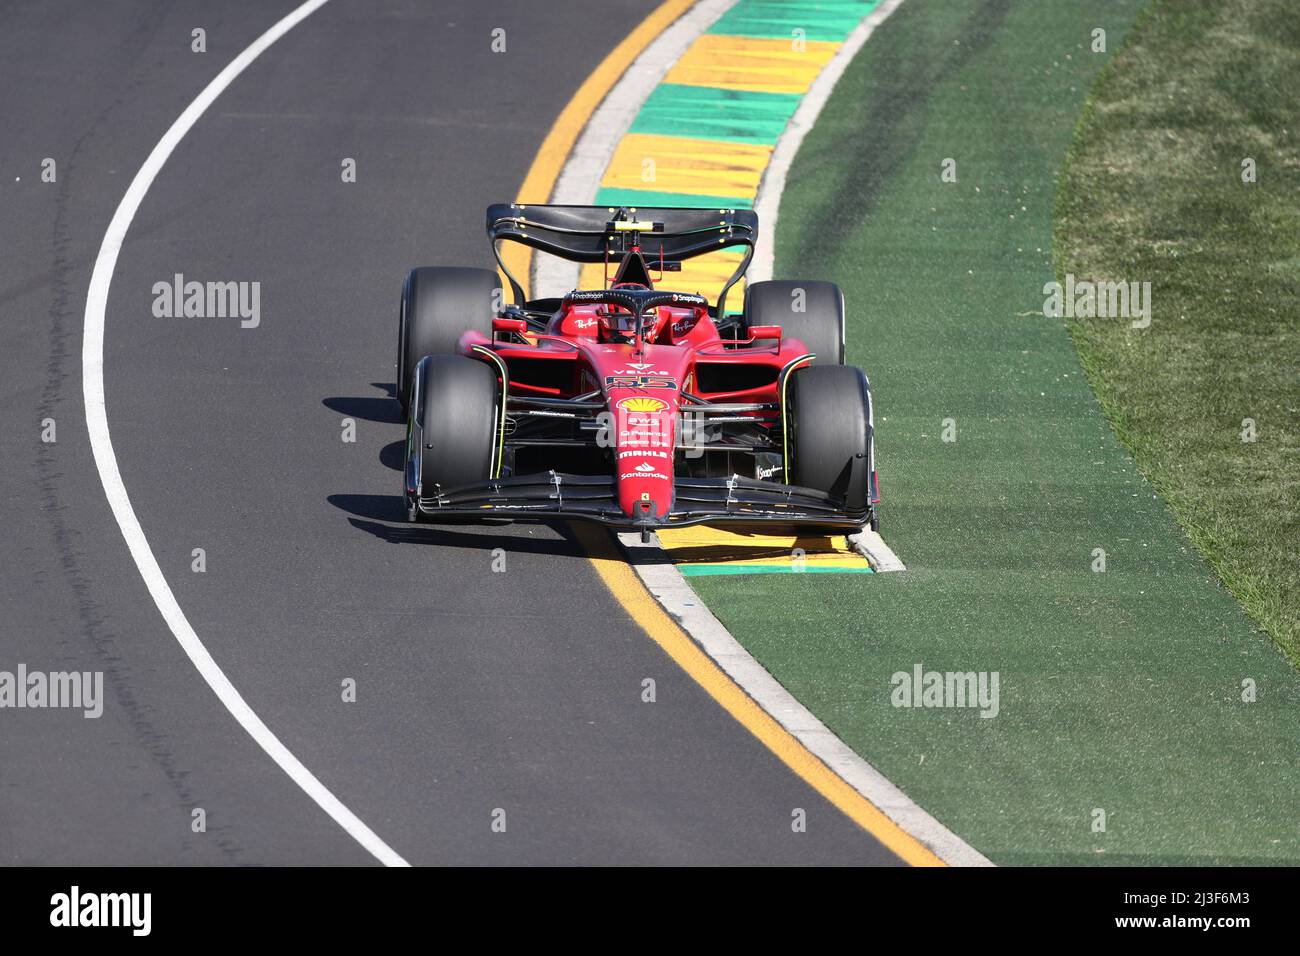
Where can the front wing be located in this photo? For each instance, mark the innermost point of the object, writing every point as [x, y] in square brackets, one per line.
[551, 494]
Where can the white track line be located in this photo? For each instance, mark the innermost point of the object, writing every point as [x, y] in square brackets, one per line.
[578, 183]
[92, 370]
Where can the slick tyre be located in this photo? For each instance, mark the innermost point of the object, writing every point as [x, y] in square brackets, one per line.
[828, 421]
[810, 311]
[439, 304]
[453, 429]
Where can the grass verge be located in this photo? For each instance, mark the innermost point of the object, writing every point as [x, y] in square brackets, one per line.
[1207, 397]
[1121, 692]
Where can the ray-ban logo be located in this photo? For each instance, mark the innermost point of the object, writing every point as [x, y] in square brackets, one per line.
[208, 300]
[923, 688]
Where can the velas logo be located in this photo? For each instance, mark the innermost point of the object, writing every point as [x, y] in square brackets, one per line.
[642, 405]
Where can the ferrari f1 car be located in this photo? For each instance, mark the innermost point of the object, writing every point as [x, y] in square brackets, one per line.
[631, 405]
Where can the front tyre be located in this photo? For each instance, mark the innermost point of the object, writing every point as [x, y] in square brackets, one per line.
[453, 429]
[829, 434]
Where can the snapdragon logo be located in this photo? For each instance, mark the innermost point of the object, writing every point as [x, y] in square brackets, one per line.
[82, 690]
[922, 688]
[1103, 300]
[208, 300]
[75, 908]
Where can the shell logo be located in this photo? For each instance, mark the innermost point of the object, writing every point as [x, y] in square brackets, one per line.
[642, 405]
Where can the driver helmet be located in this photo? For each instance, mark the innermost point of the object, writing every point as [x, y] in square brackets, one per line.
[618, 323]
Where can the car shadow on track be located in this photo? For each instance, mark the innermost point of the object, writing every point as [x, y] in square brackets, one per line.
[369, 408]
[386, 411]
[369, 511]
[393, 455]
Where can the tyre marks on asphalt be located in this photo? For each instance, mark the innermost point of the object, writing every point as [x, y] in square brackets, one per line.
[475, 690]
[92, 362]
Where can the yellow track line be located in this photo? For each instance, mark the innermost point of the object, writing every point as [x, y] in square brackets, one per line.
[555, 149]
[614, 572]
[654, 620]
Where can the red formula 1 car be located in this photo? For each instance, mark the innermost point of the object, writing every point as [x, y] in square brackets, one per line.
[631, 405]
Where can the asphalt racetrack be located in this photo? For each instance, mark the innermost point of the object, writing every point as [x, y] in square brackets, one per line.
[477, 691]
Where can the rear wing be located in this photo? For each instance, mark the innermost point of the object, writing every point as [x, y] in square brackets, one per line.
[598, 233]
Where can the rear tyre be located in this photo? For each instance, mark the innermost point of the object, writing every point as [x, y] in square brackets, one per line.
[439, 304]
[828, 431]
[452, 431]
[811, 311]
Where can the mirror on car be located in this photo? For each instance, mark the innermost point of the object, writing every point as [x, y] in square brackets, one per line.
[518, 326]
